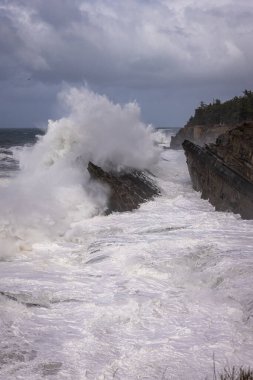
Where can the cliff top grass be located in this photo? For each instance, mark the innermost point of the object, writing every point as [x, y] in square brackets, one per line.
[236, 374]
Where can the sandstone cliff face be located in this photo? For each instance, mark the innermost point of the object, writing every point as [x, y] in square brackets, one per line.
[199, 134]
[223, 172]
[127, 189]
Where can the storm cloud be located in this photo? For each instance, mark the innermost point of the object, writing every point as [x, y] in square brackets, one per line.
[166, 54]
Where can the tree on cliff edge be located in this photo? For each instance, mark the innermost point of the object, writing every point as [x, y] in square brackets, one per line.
[231, 112]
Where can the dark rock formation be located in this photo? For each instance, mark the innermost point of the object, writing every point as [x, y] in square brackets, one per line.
[235, 149]
[223, 172]
[199, 134]
[127, 189]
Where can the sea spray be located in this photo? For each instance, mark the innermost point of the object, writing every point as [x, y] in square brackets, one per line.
[53, 188]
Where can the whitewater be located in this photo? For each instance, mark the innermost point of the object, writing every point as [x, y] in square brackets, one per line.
[162, 292]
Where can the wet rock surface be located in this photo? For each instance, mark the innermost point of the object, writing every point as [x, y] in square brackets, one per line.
[223, 171]
[128, 190]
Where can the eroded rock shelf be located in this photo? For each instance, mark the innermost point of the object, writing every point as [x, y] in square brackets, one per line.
[223, 172]
[127, 190]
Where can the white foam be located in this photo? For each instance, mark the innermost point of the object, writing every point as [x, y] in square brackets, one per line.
[150, 294]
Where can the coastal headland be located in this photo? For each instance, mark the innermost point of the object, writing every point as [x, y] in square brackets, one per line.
[220, 156]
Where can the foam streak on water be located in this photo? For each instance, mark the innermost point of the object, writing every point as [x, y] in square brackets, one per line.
[149, 294]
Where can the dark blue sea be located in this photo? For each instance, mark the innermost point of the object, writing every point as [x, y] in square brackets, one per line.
[14, 138]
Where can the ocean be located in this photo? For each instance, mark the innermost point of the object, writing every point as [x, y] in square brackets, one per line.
[14, 138]
[162, 292]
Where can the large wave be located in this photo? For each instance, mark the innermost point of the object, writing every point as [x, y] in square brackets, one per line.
[53, 188]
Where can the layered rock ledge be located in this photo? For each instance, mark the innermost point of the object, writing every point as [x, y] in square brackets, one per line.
[127, 190]
[199, 134]
[223, 172]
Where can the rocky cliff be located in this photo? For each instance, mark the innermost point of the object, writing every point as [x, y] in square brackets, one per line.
[199, 134]
[127, 189]
[213, 119]
[223, 171]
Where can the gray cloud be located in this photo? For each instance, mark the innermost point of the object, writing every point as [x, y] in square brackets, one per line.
[125, 48]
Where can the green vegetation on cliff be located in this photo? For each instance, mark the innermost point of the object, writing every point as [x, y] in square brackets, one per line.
[231, 112]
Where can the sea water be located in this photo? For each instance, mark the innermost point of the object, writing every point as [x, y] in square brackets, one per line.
[163, 292]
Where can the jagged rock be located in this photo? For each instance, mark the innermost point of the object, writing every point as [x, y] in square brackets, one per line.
[199, 134]
[127, 189]
[235, 149]
[223, 172]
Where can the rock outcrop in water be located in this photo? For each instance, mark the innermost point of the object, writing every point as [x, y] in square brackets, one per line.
[223, 171]
[127, 189]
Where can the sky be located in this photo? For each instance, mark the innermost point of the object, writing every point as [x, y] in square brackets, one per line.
[167, 55]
